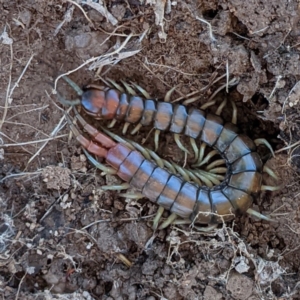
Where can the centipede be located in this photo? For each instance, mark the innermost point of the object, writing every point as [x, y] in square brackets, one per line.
[208, 198]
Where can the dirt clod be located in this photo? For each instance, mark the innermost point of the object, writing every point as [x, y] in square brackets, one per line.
[240, 286]
[56, 177]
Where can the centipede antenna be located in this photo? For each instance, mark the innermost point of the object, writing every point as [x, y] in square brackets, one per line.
[66, 102]
[168, 222]
[266, 143]
[112, 123]
[98, 165]
[136, 129]
[208, 157]
[255, 213]
[125, 128]
[221, 106]
[169, 93]
[156, 138]
[120, 187]
[195, 148]
[114, 84]
[157, 218]
[214, 164]
[179, 144]
[75, 87]
[234, 112]
[128, 88]
[270, 188]
[141, 90]
[270, 172]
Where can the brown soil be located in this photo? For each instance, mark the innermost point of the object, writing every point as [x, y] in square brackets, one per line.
[61, 236]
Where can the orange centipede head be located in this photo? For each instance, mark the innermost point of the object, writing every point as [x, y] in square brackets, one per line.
[100, 102]
[92, 101]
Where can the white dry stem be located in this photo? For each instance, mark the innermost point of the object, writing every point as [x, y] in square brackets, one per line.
[99, 6]
[102, 60]
[67, 18]
[52, 136]
[275, 87]
[9, 91]
[34, 142]
[288, 96]
[210, 31]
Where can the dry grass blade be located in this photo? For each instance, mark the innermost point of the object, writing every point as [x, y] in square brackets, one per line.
[117, 55]
[52, 137]
[104, 59]
[102, 10]
[9, 92]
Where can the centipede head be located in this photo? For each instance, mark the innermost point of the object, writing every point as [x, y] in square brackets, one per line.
[99, 102]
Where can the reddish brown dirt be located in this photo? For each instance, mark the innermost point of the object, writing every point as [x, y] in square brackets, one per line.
[61, 236]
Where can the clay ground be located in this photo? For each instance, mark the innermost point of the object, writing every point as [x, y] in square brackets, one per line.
[61, 236]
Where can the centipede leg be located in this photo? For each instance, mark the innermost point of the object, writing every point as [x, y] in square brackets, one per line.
[214, 164]
[270, 172]
[207, 158]
[142, 91]
[117, 86]
[120, 187]
[136, 196]
[179, 144]
[266, 143]
[195, 147]
[255, 213]
[128, 88]
[219, 170]
[156, 139]
[182, 172]
[125, 128]
[157, 218]
[201, 155]
[136, 129]
[198, 228]
[93, 161]
[270, 188]
[169, 93]
[118, 138]
[168, 222]
[221, 106]
[112, 123]
[234, 112]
